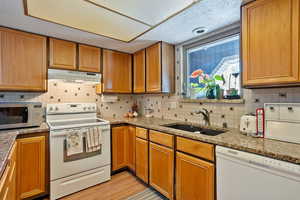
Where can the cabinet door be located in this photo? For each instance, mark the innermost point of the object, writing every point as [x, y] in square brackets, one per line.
[117, 72]
[62, 54]
[8, 178]
[161, 169]
[31, 167]
[12, 186]
[23, 61]
[139, 67]
[131, 147]
[119, 151]
[141, 150]
[270, 42]
[153, 68]
[194, 178]
[89, 58]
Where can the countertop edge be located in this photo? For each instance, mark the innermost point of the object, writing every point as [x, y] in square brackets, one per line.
[282, 157]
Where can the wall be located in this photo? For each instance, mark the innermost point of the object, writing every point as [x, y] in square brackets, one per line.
[171, 106]
[63, 92]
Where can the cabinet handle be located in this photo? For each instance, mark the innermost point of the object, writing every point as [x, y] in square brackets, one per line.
[271, 108]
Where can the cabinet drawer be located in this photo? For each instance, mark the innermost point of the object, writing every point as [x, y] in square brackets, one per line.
[290, 112]
[141, 133]
[161, 138]
[196, 148]
[272, 111]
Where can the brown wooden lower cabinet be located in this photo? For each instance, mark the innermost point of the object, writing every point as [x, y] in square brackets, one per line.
[131, 147]
[8, 179]
[31, 167]
[162, 169]
[141, 150]
[119, 147]
[123, 147]
[194, 178]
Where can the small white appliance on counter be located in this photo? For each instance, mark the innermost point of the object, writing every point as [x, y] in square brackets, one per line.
[253, 124]
[248, 124]
[282, 121]
[247, 176]
[79, 148]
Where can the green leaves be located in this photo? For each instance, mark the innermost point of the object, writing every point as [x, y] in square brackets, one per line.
[219, 78]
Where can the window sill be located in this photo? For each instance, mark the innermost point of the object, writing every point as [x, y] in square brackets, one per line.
[227, 101]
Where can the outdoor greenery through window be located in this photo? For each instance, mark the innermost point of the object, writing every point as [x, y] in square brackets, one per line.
[213, 69]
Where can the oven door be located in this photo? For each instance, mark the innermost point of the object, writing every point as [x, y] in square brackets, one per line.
[61, 167]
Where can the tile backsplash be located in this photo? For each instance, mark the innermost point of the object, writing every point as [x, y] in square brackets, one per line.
[66, 92]
[164, 106]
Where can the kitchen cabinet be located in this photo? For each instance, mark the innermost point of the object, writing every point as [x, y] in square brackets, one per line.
[8, 179]
[131, 147]
[161, 138]
[89, 58]
[23, 61]
[194, 178]
[161, 166]
[141, 150]
[123, 147]
[160, 68]
[139, 67]
[63, 54]
[119, 158]
[270, 43]
[31, 167]
[195, 170]
[117, 72]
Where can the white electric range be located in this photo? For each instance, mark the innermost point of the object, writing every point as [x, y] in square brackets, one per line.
[72, 174]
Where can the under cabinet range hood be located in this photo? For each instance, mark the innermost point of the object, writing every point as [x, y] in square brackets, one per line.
[74, 76]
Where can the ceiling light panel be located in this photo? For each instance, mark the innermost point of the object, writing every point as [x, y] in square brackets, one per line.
[150, 12]
[88, 17]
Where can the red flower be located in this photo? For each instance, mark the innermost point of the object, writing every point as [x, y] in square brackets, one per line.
[197, 73]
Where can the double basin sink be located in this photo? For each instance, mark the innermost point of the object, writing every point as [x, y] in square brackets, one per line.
[195, 129]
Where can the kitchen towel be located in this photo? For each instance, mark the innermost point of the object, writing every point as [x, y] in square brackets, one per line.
[74, 142]
[93, 139]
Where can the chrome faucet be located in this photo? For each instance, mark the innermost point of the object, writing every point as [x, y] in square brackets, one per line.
[205, 114]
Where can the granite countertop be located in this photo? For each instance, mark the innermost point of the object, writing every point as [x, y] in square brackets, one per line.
[8, 137]
[232, 138]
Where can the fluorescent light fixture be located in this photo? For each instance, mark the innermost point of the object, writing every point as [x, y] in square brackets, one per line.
[122, 20]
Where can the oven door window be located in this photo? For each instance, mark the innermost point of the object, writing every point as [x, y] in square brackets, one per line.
[13, 115]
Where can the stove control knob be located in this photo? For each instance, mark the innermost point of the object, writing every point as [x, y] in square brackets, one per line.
[51, 108]
[56, 108]
[84, 108]
[93, 108]
[89, 108]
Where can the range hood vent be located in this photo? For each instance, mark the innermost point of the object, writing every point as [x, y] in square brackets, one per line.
[74, 76]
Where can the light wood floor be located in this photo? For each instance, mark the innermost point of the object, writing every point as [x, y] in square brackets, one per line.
[120, 187]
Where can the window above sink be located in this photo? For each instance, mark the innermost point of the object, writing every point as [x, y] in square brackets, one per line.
[211, 69]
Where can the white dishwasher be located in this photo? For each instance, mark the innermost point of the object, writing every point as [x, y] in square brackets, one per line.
[247, 176]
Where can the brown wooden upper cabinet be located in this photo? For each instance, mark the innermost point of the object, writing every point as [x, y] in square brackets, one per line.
[89, 58]
[62, 54]
[139, 67]
[117, 72]
[23, 61]
[270, 43]
[160, 68]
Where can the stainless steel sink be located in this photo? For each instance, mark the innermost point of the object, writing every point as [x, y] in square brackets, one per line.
[195, 129]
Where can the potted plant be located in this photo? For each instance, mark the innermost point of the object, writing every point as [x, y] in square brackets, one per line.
[211, 88]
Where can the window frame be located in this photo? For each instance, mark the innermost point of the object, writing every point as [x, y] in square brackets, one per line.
[210, 38]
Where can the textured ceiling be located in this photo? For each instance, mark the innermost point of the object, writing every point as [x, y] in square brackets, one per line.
[213, 14]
